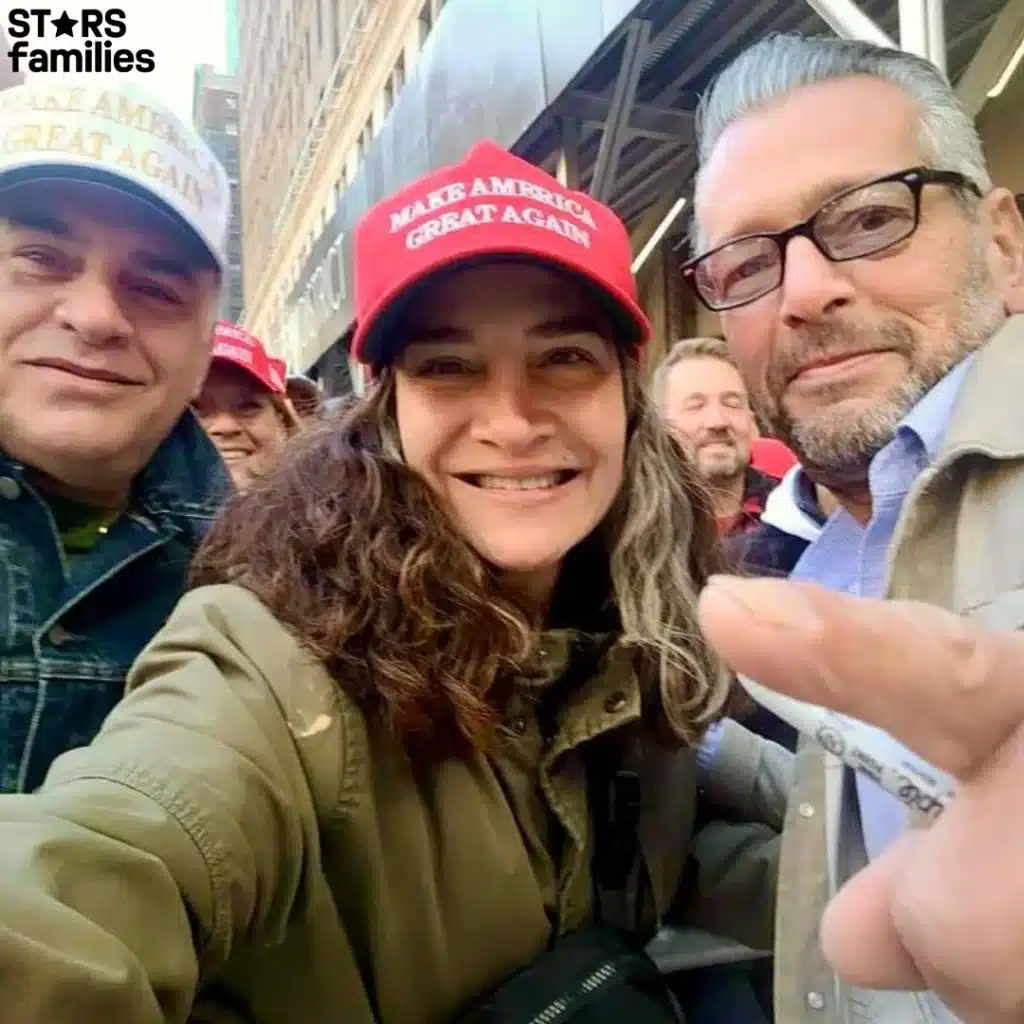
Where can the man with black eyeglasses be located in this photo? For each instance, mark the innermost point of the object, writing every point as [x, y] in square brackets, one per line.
[870, 280]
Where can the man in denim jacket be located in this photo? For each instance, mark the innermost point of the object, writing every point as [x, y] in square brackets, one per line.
[113, 216]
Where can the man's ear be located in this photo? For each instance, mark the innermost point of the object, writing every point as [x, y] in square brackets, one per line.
[197, 388]
[1005, 228]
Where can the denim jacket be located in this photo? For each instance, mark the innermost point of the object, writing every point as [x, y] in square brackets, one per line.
[69, 632]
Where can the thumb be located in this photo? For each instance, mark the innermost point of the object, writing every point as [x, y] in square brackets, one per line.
[858, 936]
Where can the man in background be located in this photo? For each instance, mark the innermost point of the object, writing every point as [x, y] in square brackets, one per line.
[703, 398]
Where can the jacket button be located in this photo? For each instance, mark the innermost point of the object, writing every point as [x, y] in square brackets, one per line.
[58, 635]
[616, 702]
[815, 1000]
[518, 725]
[10, 490]
[806, 810]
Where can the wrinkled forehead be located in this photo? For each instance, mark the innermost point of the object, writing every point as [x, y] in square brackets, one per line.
[777, 165]
[92, 214]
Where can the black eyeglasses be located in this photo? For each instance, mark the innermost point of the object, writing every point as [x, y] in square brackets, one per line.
[858, 222]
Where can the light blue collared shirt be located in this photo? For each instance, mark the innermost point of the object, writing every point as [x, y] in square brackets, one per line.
[851, 558]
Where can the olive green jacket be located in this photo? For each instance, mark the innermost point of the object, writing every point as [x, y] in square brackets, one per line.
[240, 844]
[959, 544]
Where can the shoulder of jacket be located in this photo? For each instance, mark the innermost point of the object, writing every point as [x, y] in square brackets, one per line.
[328, 728]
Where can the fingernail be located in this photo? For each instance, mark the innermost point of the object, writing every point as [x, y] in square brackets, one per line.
[774, 603]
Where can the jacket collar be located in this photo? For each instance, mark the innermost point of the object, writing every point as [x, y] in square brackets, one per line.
[185, 476]
[559, 650]
[793, 507]
[982, 420]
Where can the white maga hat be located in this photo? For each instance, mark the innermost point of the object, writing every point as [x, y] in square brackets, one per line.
[116, 134]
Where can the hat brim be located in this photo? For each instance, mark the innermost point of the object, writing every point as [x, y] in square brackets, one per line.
[52, 172]
[248, 371]
[377, 341]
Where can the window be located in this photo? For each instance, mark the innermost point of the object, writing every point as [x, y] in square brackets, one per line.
[309, 58]
[231, 127]
[398, 75]
[319, 25]
[426, 21]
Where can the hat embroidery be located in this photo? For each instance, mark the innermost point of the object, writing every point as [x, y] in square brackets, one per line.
[196, 182]
[421, 229]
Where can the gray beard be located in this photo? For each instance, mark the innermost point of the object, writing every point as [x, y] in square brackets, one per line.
[837, 449]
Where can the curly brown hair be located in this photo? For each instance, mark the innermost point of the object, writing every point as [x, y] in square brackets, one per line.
[351, 550]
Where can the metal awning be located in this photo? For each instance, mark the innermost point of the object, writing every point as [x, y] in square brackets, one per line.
[623, 130]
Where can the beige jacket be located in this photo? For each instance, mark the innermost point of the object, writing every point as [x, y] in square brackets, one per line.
[959, 544]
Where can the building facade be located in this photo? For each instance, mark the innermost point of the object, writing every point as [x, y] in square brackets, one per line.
[339, 113]
[232, 28]
[318, 80]
[215, 113]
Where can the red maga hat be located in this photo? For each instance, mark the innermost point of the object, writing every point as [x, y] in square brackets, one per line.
[232, 344]
[491, 205]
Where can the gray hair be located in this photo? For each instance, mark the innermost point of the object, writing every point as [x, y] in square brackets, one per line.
[776, 66]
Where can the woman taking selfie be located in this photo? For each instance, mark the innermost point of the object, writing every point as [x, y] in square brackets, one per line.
[363, 774]
[243, 405]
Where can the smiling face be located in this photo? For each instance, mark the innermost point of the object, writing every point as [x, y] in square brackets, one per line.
[510, 404]
[839, 354]
[106, 311]
[705, 403]
[242, 421]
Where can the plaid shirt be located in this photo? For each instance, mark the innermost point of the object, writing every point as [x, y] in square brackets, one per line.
[755, 493]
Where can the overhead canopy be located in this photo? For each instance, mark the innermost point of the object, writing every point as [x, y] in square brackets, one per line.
[602, 92]
[623, 130]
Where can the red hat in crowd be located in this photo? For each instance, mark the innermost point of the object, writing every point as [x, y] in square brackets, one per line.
[771, 456]
[492, 204]
[239, 348]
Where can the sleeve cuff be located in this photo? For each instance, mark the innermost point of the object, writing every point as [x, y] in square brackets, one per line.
[707, 752]
[732, 770]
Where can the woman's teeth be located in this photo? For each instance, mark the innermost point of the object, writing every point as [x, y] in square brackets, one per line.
[526, 483]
